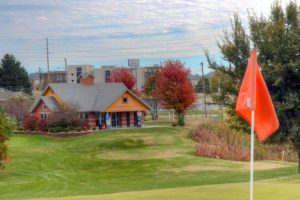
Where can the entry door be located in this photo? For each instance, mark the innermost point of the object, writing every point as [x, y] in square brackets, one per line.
[115, 119]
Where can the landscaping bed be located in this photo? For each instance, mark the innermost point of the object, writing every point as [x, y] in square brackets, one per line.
[58, 134]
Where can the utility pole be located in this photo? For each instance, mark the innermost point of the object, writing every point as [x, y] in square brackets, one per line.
[40, 80]
[66, 68]
[66, 65]
[219, 90]
[204, 95]
[48, 77]
[136, 79]
[219, 95]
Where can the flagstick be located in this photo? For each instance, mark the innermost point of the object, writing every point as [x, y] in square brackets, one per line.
[252, 155]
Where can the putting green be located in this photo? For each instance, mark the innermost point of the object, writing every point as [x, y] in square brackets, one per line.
[236, 191]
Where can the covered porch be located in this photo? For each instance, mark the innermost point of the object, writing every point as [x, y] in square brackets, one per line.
[103, 120]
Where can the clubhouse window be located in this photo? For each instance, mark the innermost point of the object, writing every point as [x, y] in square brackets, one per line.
[125, 100]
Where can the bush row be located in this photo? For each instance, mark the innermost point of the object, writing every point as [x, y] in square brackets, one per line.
[32, 123]
[216, 140]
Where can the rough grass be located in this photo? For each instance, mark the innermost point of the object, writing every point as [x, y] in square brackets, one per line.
[118, 161]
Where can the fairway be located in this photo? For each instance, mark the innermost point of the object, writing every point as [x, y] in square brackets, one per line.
[143, 163]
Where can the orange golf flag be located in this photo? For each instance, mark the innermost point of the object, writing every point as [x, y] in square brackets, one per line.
[254, 94]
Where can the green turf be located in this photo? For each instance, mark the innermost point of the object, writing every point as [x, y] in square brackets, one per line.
[240, 191]
[119, 161]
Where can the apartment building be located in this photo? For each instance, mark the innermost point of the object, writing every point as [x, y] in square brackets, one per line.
[74, 71]
[103, 74]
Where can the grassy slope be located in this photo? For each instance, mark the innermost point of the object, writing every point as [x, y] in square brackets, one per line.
[118, 161]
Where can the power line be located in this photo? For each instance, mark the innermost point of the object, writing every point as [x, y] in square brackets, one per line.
[48, 76]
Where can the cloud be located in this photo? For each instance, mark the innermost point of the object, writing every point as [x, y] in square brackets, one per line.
[99, 31]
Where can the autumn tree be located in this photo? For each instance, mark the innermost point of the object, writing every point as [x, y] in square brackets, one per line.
[6, 128]
[221, 84]
[173, 88]
[17, 107]
[123, 75]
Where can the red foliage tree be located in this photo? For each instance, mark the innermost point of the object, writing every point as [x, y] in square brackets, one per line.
[42, 125]
[173, 89]
[29, 122]
[123, 75]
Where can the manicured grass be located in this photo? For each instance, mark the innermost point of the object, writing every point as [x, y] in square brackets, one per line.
[235, 191]
[120, 161]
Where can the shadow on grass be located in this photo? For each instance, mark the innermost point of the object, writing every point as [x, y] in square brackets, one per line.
[125, 143]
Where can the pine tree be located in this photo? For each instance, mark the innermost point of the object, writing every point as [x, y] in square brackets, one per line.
[13, 76]
[278, 42]
[234, 47]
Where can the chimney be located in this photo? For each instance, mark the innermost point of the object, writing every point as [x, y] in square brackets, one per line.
[86, 80]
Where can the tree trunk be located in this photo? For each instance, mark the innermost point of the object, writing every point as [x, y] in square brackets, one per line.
[180, 119]
[298, 161]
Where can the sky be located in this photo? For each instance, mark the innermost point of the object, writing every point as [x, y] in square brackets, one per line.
[109, 32]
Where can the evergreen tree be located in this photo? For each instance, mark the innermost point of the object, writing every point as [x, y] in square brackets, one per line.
[278, 42]
[13, 76]
[199, 86]
[235, 48]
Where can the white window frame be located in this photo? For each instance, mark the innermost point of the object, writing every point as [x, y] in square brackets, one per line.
[44, 115]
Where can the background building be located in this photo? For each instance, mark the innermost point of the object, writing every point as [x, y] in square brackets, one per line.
[103, 74]
[74, 71]
[54, 77]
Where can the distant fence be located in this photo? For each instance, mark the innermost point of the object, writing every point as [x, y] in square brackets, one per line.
[172, 117]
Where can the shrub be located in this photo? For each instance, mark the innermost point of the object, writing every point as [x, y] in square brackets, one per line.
[56, 129]
[77, 129]
[5, 131]
[217, 140]
[42, 125]
[29, 122]
[85, 125]
[64, 119]
[75, 122]
[180, 121]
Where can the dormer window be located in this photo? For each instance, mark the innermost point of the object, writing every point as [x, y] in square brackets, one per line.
[44, 107]
[125, 100]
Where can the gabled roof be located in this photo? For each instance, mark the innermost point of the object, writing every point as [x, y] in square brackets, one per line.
[85, 75]
[6, 94]
[48, 100]
[92, 98]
